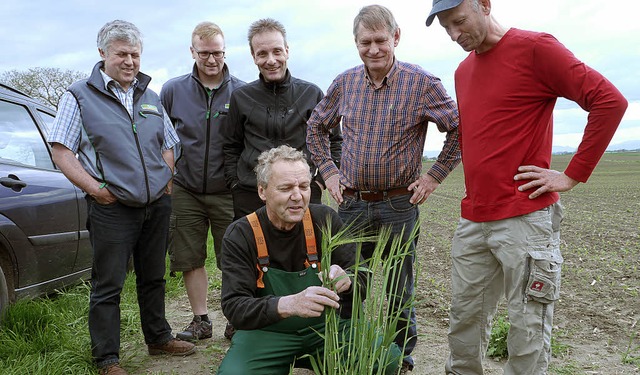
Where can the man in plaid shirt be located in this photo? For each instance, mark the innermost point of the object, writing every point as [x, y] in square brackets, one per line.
[384, 107]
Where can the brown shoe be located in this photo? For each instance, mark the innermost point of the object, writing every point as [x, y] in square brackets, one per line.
[172, 347]
[113, 369]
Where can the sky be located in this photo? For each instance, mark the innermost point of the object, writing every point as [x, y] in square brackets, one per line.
[62, 34]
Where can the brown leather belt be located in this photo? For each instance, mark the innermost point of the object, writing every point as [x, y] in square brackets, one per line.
[375, 196]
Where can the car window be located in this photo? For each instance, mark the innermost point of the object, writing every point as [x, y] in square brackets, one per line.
[20, 139]
[47, 119]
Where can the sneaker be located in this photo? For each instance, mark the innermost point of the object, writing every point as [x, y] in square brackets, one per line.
[196, 330]
[229, 331]
[113, 369]
[172, 347]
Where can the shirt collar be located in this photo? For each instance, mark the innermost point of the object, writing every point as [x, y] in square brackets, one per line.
[107, 80]
[388, 78]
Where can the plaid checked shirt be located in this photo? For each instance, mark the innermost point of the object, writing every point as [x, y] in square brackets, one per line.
[384, 129]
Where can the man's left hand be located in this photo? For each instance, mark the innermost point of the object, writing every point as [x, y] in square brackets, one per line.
[545, 180]
[342, 285]
[422, 188]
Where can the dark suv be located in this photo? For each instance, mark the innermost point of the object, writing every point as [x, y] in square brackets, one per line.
[44, 244]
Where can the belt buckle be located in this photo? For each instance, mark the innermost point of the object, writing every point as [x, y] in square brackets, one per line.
[363, 193]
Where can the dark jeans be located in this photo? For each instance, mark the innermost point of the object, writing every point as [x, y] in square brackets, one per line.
[398, 214]
[246, 200]
[117, 232]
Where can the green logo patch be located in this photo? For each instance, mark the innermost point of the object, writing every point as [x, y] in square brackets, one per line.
[149, 107]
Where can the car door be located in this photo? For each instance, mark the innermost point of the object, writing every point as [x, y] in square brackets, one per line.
[39, 209]
[84, 256]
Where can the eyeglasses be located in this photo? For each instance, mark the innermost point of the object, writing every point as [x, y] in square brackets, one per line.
[204, 55]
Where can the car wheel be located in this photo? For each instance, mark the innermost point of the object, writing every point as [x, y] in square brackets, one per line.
[4, 294]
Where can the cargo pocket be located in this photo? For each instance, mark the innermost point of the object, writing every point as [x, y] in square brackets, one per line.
[545, 264]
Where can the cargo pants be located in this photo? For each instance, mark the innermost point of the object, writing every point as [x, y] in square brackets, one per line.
[519, 258]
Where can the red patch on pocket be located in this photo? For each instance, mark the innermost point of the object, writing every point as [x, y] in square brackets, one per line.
[537, 286]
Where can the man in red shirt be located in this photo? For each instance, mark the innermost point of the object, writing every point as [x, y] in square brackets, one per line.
[507, 241]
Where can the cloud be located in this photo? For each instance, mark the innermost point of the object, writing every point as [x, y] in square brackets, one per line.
[61, 34]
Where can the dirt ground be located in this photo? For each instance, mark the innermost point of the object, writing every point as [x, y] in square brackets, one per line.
[596, 319]
[596, 334]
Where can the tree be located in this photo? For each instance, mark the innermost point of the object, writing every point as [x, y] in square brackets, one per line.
[43, 84]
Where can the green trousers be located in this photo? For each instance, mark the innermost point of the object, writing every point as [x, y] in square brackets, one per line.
[275, 348]
[258, 352]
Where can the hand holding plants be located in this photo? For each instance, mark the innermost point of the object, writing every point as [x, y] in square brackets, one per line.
[308, 303]
[338, 281]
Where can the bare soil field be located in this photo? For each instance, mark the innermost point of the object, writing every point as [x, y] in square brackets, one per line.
[596, 326]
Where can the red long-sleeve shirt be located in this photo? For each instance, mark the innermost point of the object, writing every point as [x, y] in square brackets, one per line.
[506, 98]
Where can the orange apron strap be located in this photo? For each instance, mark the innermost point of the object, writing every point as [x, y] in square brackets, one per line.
[263, 253]
[261, 245]
[310, 238]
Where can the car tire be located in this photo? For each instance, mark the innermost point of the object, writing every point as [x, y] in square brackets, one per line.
[4, 294]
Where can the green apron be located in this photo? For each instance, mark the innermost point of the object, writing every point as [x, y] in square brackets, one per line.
[289, 338]
[282, 283]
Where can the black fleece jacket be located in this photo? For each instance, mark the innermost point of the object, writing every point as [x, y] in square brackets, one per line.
[263, 115]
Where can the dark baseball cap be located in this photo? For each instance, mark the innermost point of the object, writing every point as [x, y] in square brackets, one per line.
[440, 6]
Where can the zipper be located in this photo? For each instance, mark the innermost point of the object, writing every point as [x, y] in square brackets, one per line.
[205, 170]
[134, 129]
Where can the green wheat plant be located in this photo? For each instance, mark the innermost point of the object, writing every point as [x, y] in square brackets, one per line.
[365, 343]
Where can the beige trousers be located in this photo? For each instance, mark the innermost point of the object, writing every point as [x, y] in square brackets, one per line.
[519, 258]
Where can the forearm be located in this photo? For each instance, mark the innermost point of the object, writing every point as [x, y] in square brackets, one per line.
[239, 294]
[167, 155]
[603, 120]
[448, 159]
[251, 313]
[67, 162]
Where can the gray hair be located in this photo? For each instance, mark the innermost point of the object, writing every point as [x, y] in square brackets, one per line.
[270, 157]
[265, 25]
[119, 30]
[375, 17]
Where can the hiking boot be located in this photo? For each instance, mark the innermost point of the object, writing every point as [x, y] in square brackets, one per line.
[229, 331]
[113, 369]
[172, 347]
[198, 329]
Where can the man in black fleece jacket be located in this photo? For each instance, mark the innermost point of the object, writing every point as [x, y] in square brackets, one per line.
[268, 112]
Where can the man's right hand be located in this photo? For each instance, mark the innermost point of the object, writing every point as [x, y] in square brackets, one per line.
[103, 196]
[309, 303]
[68, 163]
[334, 188]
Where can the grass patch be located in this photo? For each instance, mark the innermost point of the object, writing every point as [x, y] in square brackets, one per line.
[50, 335]
[47, 336]
[631, 354]
[497, 347]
